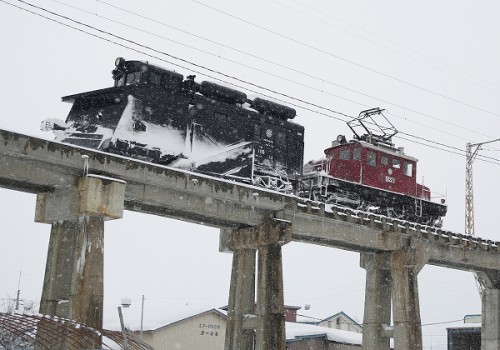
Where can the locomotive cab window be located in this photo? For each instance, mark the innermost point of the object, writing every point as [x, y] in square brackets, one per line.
[345, 154]
[133, 78]
[371, 158]
[280, 138]
[396, 163]
[408, 169]
[356, 154]
[384, 160]
[154, 78]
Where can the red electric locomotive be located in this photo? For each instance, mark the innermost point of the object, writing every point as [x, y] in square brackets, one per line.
[368, 173]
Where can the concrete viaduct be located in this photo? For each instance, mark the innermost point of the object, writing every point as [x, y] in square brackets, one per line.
[78, 189]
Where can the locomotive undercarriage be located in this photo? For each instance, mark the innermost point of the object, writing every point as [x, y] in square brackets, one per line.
[356, 196]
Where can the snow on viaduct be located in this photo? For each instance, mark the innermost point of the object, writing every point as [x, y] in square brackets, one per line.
[78, 189]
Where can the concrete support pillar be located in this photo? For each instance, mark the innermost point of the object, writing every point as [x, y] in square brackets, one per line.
[377, 315]
[405, 266]
[239, 335]
[73, 283]
[268, 324]
[490, 316]
[270, 300]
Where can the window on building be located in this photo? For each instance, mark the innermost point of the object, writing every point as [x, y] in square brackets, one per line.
[356, 154]
[396, 163]
[384, 160]
[371, 158]
[345, 154]
[408, 169]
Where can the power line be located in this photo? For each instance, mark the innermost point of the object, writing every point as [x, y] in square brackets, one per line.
[443, 322]
[171, 56]
[330, 16]
[385, 47]
[271, 62]
[274, 63]
[186, 61]
[345, 59]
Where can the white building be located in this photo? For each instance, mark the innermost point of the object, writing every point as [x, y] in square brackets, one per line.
[207, 330]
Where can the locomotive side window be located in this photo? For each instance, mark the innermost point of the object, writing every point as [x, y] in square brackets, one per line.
[133, 78]
[356, 154]
[281, 138]
[256, 132]
[371, 158]
[408, 169]
[345, 154]
[384, 160]
[396, 163]
[154, 78]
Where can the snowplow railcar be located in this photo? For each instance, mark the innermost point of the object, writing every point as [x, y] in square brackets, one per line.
[159, 116]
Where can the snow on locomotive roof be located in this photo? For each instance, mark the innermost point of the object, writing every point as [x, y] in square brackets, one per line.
[221, 91]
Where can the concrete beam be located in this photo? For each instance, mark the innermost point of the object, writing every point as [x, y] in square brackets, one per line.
[192, 197]
[73, 283]
[93, 196]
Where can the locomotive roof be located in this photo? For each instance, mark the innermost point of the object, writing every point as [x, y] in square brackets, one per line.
[391, 151]
[154, 67]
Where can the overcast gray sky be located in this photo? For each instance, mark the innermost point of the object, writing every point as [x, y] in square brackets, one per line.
[432, 65]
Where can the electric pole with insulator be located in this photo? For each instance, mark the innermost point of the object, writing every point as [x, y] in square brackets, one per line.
[470, 154]
[469, 191]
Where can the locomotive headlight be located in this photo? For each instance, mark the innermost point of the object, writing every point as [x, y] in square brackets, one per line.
[120, 61]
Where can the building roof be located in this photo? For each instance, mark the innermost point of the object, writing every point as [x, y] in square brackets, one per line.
[338, 314]
[218, 312]
[297, 331]
[294, 331]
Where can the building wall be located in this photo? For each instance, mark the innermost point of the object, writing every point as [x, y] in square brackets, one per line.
[319, 343]
[206, 331]
[341, 323]
[464, 338]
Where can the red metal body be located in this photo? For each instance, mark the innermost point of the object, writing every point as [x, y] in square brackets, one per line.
[373, 166]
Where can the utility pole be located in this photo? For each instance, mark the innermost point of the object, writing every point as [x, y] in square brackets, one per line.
[125, 342]
[18, 291]
[142, 315]
[469, 195]
[470, 155]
